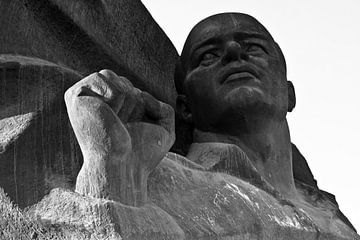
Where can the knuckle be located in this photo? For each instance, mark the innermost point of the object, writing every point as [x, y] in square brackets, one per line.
[107, 73]
[70, 94]
[168, 110]
[124, 79]
[90, 77]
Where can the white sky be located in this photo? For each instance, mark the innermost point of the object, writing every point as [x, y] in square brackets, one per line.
[321, 42]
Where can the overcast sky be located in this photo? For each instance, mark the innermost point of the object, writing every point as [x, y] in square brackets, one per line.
[321, 43]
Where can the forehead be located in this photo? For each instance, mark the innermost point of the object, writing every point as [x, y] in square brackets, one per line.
[220, 25]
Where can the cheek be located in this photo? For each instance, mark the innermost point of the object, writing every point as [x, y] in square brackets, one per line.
[199, 82]
[259, 62]
[274, 77]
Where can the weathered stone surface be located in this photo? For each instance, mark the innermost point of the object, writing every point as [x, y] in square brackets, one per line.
[249, 194]
[123, 134]
[56, 36]
[88, 36]
[106, 219]
[307, 187]
[301, 169]
[194, 204]
[233, 90]
[216, 193]
[38, 148]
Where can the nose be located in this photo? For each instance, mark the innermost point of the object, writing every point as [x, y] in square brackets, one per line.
[233, 52]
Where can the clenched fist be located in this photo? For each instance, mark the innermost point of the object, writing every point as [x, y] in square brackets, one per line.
[123, 134]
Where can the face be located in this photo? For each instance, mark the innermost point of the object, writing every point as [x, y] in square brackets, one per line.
[234, 69]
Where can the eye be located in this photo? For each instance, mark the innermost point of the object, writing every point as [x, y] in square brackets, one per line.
[208, 58]
[254, 48]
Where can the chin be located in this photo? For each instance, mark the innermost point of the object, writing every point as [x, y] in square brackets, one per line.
[249, 100]
[244, 94]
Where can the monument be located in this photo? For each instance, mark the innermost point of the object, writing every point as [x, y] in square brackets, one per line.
[241, 177]
[232, 87]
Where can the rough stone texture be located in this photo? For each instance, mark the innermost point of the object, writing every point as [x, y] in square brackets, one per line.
[38, 151]
[38, 148]
[301, 169]
[308, 188]
[123, 134]
[106, 219]
[56, 36]
[88, 36]
[194, 204]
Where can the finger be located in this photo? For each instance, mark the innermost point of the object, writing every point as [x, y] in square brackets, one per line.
[161, 112]
[105, 85]
[98, 130]
[94, 85]
[127, 100]
[122, 83]
[137, 108]
[133, 108]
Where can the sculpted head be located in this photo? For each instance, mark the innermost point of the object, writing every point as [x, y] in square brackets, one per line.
[231, 69]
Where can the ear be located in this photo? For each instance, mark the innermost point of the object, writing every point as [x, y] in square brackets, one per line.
[291, 96]
[183, 109]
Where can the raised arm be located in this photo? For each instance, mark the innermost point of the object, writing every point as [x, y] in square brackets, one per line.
[123, 134]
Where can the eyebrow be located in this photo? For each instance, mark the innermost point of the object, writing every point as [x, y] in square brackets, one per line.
[209, 41]
[214, 39]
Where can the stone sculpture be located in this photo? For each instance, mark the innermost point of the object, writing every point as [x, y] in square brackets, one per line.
[241, 178]
[45, 48]
[123, 134]
[237, 180]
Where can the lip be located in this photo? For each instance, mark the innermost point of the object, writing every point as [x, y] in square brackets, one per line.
[239, 74]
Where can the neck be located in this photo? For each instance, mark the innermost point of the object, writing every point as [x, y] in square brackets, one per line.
[268, 146]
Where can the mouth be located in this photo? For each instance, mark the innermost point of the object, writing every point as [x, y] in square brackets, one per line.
[239, 75]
